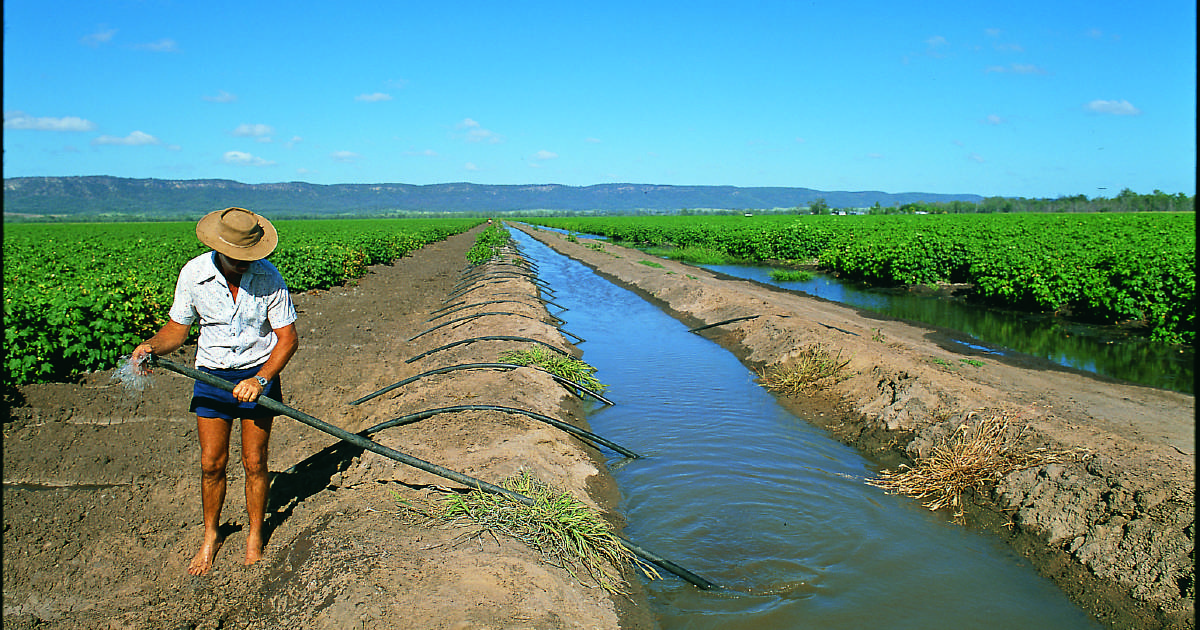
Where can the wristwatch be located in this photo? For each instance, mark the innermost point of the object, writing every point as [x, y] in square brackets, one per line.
[261, 381]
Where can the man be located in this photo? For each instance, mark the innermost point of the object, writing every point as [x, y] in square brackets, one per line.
[247, 336]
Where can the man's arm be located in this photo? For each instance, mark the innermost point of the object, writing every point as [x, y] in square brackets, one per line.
[167, 340]
[286, 343]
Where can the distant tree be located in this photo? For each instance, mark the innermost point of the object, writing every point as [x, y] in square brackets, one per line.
[818, 206]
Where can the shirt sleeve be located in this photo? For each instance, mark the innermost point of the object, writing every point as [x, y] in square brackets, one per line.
[183, 307]
[281, 311]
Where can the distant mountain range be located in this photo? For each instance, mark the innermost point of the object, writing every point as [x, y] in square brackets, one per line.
[101, 196]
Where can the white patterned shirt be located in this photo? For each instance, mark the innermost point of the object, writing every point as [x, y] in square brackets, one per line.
[233, 334]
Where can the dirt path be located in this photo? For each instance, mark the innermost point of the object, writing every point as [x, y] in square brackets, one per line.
[1112, 524]
[101, 496]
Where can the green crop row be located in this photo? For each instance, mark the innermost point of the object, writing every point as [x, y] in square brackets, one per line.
[1102, 268]
[78, 296]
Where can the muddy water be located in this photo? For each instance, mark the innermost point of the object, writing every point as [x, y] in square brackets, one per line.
[754, 498]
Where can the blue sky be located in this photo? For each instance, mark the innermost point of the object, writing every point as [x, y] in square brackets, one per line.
[1030, 99]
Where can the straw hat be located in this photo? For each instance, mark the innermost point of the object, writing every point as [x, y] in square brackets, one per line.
[238, 233]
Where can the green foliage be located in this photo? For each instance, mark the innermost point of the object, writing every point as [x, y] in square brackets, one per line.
[78, 296]
[487, 244]
[651, 263]
[790, 275]
[1110, 268]
[566, 367]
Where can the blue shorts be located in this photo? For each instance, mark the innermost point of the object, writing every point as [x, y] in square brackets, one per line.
[214, 402]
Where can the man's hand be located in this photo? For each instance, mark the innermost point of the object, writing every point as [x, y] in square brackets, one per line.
[248, 390]
[140, 357]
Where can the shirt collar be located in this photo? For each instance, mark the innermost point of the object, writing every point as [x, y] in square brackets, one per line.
[215, 268]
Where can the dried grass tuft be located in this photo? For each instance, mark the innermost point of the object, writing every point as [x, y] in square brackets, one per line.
[977, 455]
[814, 364]
[567, 533]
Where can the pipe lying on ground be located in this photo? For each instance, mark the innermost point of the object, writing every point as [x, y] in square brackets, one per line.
[728, 321]
[569, 384]
[474, 315]
[415, 462]
[586, 436]
[464, 306]
[487, 338]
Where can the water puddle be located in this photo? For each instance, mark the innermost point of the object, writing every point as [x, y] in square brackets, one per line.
[746, 494]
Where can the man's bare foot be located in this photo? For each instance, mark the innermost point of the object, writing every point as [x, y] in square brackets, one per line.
[203, 560]
[254, 547]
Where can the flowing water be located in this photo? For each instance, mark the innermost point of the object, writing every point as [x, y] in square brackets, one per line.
[752, 497]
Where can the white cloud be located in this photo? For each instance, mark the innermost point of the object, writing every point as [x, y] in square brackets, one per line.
[992, 32]
[593, 140]
[253, 131]
[221, 97]
[135, 139]
[425, 153]
[293, 142]
[346, 157]
[21, 120]
[162, 45]
[102, 36]
[936, 41]
[1116, 108]
[975, 157]
[545, 155]
[993, 119]
[470, 166]
[1016, 68]
[373, 98]
[241, 158]
[476, 133]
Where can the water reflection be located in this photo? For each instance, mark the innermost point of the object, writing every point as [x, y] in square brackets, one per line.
[1100, 350]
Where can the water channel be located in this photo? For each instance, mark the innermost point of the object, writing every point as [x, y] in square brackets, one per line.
[752, 497]
[1105, 350]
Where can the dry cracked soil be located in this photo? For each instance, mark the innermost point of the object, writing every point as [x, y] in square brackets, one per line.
[101, 487]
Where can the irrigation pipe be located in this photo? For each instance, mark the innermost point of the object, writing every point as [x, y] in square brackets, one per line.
[464, 306]
[568, 383]
[488, 338]
[840, 330]
[404, 458]
[728, 321]
[478, 285]
[484, 314]
[586, 436]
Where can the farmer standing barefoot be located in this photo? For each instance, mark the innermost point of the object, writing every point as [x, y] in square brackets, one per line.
[247, 336]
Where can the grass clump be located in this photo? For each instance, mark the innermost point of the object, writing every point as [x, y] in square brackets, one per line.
[815, 363]
[790, 275]
[557, 364]
[977, 455]
[563, 529]
[695, 254]
[651, 263]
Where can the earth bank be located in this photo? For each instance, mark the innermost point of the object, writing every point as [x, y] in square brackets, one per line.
[1111, 522]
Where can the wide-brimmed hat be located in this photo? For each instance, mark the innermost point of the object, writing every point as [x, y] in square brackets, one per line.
[238, 233]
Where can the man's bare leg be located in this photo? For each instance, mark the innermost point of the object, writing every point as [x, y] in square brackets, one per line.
[214, 454]
[256, 435]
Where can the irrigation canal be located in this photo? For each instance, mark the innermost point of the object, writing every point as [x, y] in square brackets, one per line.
[754, 498]
[1105, 350]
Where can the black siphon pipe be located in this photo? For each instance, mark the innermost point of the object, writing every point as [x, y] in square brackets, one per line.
[568, 383]
[404, 458]
[728, 321]
[488, 338]
[586, 436]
